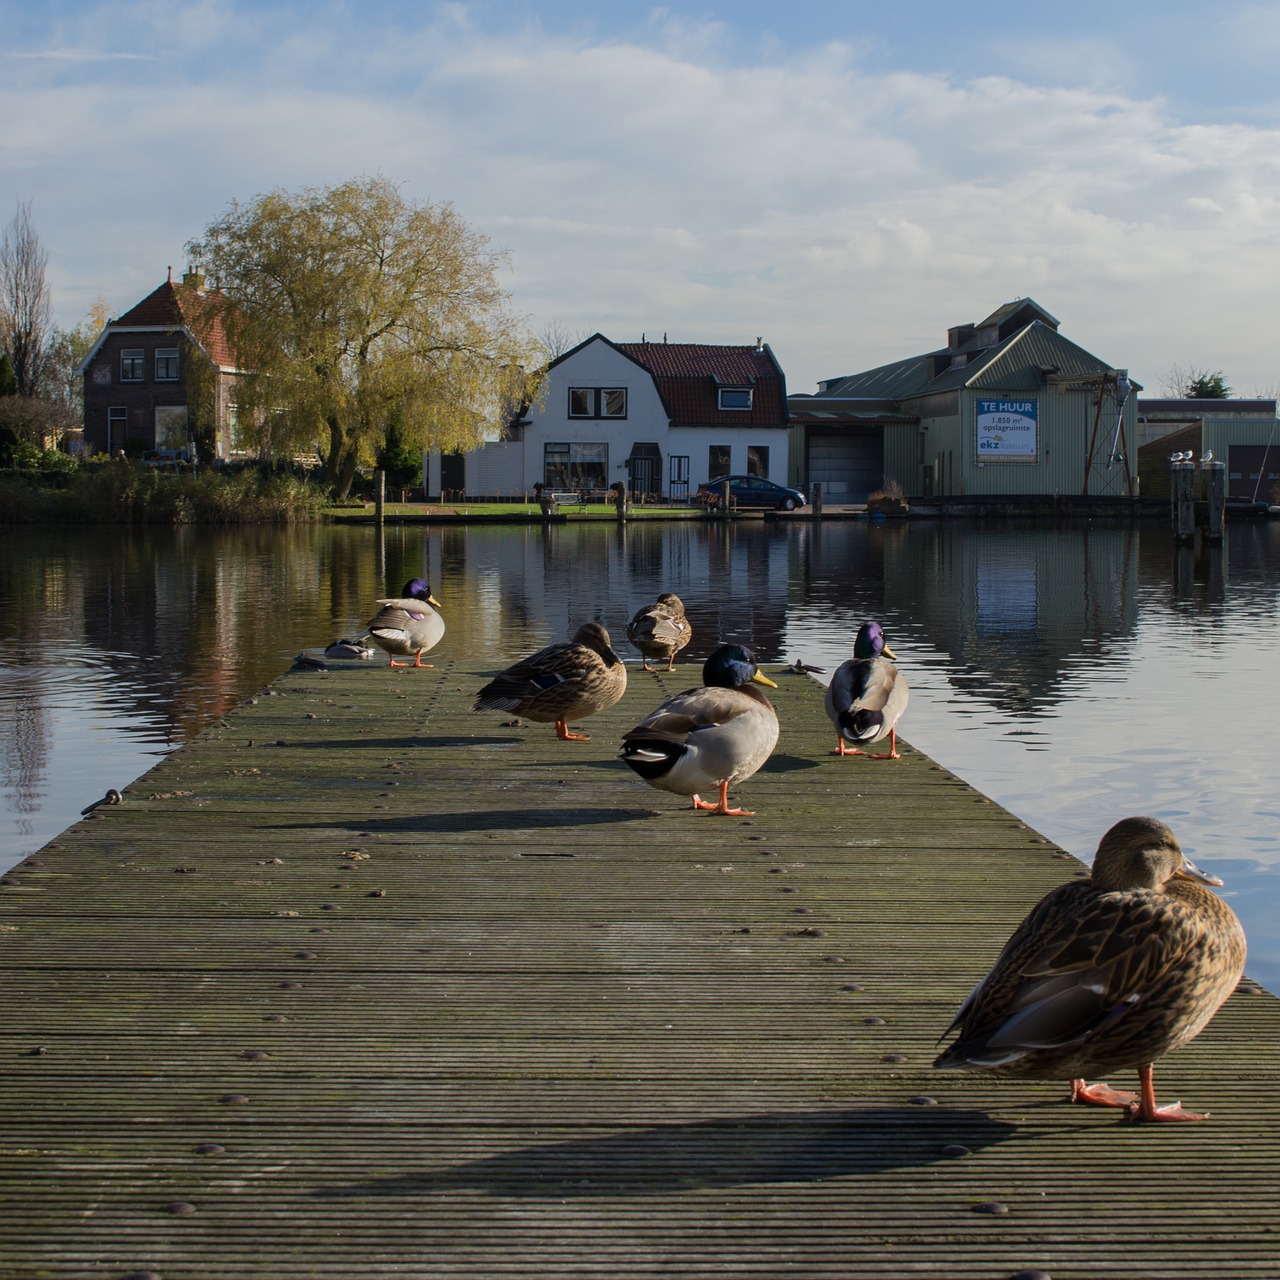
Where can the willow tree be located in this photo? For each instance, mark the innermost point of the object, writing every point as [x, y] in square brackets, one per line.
[349, 308]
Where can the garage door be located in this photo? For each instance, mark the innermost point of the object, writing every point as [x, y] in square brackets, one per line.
[849, 465]
[1253, 472]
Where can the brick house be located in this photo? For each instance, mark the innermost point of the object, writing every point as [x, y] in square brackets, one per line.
[162, 377]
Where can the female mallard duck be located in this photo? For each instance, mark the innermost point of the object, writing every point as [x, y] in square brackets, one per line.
[660, 630]
[1107, 973]
[408, 625]
[867, 696]
[715, 736]
[561, 682]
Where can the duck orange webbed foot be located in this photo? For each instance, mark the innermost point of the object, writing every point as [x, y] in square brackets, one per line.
[563, 733]
[842, 750]
[1101, 1095]
[722, 807]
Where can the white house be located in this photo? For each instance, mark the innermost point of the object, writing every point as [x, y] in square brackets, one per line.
[661, 417]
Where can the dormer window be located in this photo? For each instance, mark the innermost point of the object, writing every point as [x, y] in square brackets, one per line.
[597, 402]
[734, 397]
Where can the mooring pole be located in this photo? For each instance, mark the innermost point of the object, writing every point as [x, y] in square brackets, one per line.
[1182, 489]
[1217, 476]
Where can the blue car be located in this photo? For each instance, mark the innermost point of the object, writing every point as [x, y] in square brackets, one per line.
[751, 491]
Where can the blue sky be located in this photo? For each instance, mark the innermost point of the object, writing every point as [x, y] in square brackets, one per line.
[845, 179]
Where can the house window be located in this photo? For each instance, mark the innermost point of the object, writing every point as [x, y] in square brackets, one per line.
[117, 422]
[597, 402]
[735, 397]
[758, 460]
[167, 364]
[132, 362]
[718, 461]
[579, 464]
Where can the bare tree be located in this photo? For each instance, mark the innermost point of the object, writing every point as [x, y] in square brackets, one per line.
[555, 338]
[26, 305]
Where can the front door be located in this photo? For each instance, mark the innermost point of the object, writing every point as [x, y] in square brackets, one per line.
[646, 477]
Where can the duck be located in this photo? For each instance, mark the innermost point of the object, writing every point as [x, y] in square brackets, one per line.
[1107, 974]
[867, 696]
[352, 647]
[711, 737]
[408, 625]
[561, 682]
[660, 630]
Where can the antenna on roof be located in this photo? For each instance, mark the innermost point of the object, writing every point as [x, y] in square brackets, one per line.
[759, 345]
[664, 337]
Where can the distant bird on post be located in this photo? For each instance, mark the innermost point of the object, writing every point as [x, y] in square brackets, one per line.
[1106, 974]
[660, 630]
[867, 696]
[408, 625]
[560, 683]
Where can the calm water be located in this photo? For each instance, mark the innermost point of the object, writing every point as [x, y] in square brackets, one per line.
[1076, 675]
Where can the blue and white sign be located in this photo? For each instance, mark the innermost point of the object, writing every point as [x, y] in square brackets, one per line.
[1007, 430]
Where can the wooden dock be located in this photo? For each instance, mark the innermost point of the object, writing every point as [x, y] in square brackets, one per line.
[361, 984]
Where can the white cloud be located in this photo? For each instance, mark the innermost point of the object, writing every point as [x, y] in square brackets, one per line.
[848, 212]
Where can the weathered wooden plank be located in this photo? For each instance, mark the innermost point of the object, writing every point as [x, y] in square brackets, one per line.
[373, 986]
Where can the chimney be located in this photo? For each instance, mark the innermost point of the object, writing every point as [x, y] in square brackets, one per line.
[759, 346]
[193, 280]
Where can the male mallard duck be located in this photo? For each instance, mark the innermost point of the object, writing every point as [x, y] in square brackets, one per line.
[714, 736]
[560, 682]
[660, 630]
[347, 648]
[409, 624]
[1107, 973]
[867, 696]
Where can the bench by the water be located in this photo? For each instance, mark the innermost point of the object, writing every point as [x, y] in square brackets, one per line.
[361, 984]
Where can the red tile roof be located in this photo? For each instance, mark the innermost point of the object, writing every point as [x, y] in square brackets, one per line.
[688, 374]
[174, 306]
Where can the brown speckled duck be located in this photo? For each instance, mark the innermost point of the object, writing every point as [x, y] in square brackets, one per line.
[660, 630]
[1106, 974]
[560, 683]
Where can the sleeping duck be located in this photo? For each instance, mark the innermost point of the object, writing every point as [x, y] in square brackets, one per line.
[867, 696]
[408, 625]
[1106, 974]
[561, 682]
[706, 738]
[660, 630]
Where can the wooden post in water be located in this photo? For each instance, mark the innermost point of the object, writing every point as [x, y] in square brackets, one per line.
[724, 500]
[1182, 488]
[379, 495]
[1217, 476]
[815, 500]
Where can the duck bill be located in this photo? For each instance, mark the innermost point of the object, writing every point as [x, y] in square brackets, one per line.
[432, 600]
[761, 678]
[889, 653]
[1189, 871]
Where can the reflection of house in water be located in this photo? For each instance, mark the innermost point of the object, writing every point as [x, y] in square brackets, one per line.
[565, 577]
[1020, 612]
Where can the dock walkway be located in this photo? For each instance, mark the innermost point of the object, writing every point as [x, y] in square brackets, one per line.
[362, 984]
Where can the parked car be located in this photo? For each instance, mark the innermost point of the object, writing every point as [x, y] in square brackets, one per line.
[751, 491]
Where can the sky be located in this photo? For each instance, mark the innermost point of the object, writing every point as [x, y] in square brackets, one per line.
[845, 179]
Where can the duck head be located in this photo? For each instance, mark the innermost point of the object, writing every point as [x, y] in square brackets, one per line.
[592, 635]
[1143, 853]
[419, 589]
[730, 667]
[869, 642]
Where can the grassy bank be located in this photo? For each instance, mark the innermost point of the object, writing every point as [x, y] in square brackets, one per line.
[132, 493]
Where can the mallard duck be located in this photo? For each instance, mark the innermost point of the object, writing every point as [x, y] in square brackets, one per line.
[660, 630]
[347, 648]
[714, 736]
[561, 682]
[867, 696]
[1107, 973]
[408, 625]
